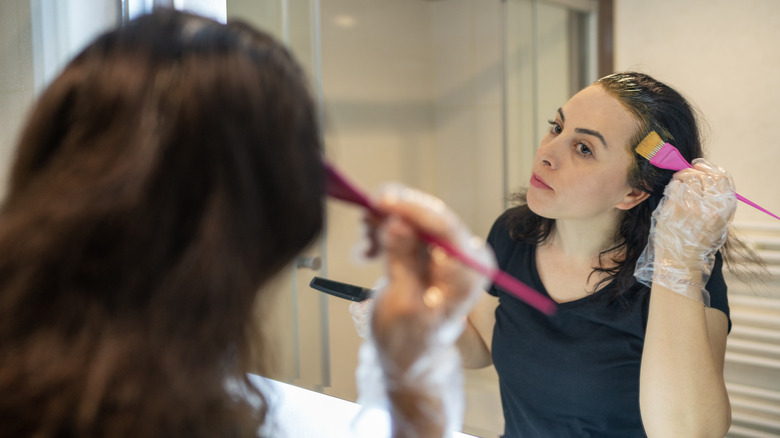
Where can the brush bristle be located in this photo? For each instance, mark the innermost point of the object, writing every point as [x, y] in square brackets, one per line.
[651, 144]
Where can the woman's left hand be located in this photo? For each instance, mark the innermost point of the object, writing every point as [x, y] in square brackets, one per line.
[689, 227]
[700, 204]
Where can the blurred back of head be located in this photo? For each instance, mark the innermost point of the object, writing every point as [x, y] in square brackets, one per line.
[163, 177]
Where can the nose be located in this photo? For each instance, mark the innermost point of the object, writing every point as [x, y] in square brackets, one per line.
[546, 153]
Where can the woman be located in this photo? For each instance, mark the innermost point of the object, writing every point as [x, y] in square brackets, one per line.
[619, 358]
[164, 177]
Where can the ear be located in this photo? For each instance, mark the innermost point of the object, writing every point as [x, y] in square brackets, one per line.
[632, 199]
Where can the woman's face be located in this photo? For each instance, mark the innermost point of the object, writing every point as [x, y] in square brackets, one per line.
[581, 167]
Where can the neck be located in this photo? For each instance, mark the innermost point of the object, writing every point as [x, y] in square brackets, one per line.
[583, 239]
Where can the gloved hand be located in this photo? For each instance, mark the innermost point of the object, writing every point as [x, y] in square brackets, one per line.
[361, 316]
[410, 358]
[361, 310]
[425, 284]
[689, 226]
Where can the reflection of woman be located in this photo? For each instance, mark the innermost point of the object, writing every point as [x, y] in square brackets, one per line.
[169, 172]
[618, 359]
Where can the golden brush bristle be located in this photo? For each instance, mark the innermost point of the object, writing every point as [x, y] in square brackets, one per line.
[651, 144]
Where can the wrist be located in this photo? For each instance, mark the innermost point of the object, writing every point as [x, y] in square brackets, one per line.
[685, 282]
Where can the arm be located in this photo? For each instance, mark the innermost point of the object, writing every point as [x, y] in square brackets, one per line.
[682, 390]
[475, 342]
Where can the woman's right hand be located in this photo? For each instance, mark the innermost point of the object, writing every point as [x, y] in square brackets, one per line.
[428, 292]
[361, 316]
[418, 315]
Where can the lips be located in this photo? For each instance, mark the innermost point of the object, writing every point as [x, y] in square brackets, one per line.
[538, 182]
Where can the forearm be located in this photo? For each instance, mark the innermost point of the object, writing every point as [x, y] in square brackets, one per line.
[420, 366]
[416, 413]
[682, 391]
[426, 395]
[474, 352]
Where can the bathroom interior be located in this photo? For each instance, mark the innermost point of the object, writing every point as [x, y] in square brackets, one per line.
[452, 97]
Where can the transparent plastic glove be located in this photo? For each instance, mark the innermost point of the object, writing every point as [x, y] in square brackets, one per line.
[361, 316]
[410, 364]
[688, 227]
[361, 311]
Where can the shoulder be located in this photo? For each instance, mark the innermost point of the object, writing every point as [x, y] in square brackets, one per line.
[499, 236]
[507, 222]
[511, 251]
[499, 225]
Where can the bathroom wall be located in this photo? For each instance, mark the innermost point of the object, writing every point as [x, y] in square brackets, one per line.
[17, 78]
[723, 55]
[37, 38]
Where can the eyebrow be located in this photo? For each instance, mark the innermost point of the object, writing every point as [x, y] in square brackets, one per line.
[584, 130]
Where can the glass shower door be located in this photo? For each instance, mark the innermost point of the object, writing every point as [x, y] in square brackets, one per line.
[297, 317]
[549, 55]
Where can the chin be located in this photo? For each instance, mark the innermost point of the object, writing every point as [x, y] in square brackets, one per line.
[537, 207]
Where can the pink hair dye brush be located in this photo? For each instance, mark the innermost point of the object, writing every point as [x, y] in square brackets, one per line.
[339, 188]
[665, 156]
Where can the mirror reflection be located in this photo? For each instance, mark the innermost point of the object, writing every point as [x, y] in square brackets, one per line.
[466, 100]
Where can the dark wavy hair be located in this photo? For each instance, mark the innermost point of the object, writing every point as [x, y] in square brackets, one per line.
[657, 107]
[169, 172]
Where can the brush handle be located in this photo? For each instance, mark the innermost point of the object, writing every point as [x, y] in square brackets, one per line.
[339, 187]
[497, 276]
[756, 206]
[668, 157]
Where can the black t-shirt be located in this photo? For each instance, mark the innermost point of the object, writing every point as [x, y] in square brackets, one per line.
[576, 373]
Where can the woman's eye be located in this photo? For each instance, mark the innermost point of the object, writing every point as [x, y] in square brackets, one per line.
[555, 128]
[583, 149]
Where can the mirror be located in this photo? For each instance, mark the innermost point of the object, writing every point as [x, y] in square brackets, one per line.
[452, 96]
[422, 92]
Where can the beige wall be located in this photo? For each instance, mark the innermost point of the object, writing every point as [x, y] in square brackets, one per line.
[17, 84]
[37, 38]
[724, 56]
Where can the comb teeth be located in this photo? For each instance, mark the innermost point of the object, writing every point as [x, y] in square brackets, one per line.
[651, 144]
